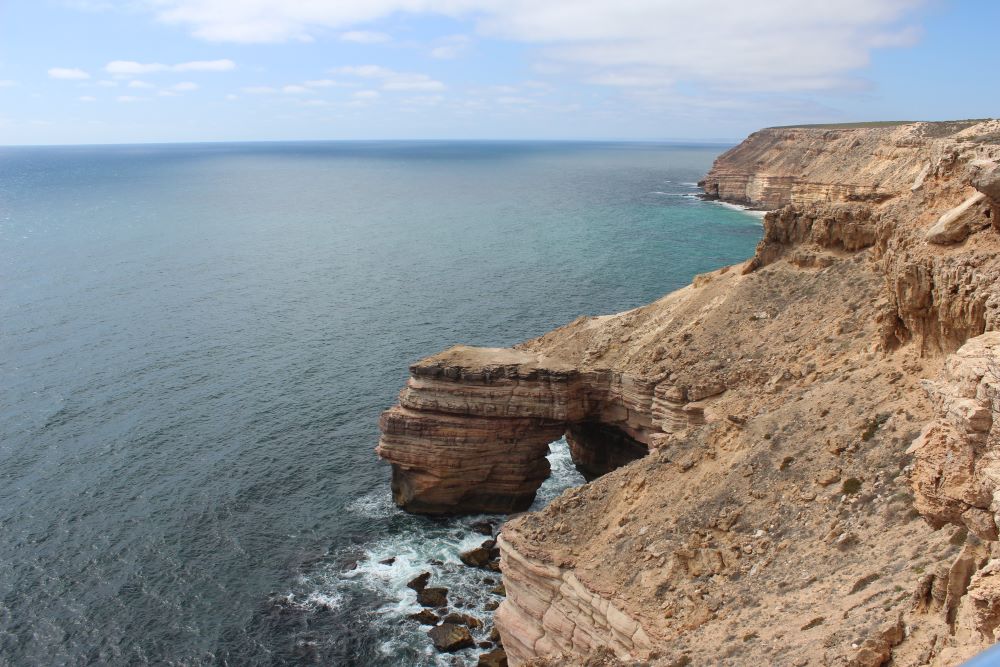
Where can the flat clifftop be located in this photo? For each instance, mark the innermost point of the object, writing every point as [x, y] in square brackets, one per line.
[794, 460]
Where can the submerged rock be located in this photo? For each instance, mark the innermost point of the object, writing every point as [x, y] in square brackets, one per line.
[449, 637]
[483, 527]
[463, 619]
[425, 617]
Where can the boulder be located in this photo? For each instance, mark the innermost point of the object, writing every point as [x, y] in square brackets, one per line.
[419, 582]
[955, 225]
[449, 637]
[477, 557]
[433, 597]
[463, 619]
[985, 177]
[497, 658]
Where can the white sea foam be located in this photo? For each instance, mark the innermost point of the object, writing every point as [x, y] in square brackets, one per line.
[330, 600]
[743, 209]
[685, 195]
[377, 504]
[425, 545]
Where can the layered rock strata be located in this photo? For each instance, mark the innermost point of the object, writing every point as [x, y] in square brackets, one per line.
[773, 519]
[473, 425]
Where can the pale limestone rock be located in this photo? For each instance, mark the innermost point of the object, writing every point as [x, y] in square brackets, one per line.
[956, 474]
[955, 225]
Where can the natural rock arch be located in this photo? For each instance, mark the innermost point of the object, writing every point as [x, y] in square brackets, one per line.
[473, 426]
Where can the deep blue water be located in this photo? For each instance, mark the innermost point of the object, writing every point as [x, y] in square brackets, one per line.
[195, 345]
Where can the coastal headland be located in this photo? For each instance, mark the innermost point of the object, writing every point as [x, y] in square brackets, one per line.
[794, 460]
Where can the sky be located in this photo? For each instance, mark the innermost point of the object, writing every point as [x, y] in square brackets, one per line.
[124, 71]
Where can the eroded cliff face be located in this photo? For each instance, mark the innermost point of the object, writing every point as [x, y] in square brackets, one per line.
[782, 403]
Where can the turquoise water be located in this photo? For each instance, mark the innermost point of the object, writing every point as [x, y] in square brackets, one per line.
[196, 342]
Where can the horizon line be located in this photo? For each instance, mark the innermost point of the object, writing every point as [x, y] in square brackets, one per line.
[699, 141]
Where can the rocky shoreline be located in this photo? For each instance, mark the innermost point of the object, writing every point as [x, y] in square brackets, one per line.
[793, 459]
[451, 630]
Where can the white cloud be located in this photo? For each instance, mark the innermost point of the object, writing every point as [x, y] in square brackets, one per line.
[512, 100]
[7, 83]
[366, 95]
[88, 98]
[365, 37]
[132, 68]
[296, 90]
[392, 80]
[451, 47]
[89, 5]
[421, 101]
[68, 73]
[223, 65]
[773, 45]
[135, 83]
[185, 86]
[328, 83]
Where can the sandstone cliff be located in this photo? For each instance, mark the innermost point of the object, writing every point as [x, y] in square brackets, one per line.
[763, 441]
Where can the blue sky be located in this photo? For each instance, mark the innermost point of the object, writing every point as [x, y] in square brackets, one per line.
[106, 71]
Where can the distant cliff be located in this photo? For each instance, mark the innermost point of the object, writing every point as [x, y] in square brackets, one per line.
[765, 441]
[801, 165]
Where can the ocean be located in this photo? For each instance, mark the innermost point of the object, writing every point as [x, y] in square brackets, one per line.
[196, 342]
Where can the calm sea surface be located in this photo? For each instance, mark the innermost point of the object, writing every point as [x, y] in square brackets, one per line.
[195, 345]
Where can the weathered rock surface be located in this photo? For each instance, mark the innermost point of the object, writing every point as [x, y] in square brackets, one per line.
[956, 225]
[956, 474]
[496, 658]
[449, 637]
[777, 401]
[433, 597]
[419, 582]
[548, 611]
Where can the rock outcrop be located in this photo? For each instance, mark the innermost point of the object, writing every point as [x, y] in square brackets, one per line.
[549, 611]
[749, 436]
[956, 475]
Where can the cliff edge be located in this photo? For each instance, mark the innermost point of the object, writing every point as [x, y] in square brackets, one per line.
[794, 460]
